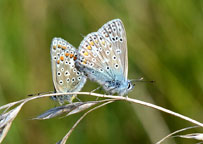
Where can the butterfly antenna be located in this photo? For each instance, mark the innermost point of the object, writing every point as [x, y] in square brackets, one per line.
[141, 80]
[82, 35]
[40, 93]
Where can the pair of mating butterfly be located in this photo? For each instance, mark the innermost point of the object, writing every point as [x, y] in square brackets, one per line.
[102, 57]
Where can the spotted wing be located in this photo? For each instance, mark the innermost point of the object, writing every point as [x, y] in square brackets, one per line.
[114, 32]
[102, 55]
[66, 77]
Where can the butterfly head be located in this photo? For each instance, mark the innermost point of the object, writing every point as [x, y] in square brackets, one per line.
[126, 87]
[120, 87]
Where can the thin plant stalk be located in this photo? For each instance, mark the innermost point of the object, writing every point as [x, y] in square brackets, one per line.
[65, 138]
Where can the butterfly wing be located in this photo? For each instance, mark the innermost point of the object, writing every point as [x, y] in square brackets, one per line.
[114, 31]
[66, 77]
[103, 54]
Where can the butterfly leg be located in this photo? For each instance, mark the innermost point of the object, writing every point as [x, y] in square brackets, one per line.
[95, 89]
[56, 100]
[77, 98]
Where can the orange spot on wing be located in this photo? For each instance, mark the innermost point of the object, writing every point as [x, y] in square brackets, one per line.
[58, 61]
[91, 43]
[63, 47]
[59, 46]
[67, 54]
[89, 47]
[85, 53]
[61, 58]
[84, 61]
[54, 47]
[75, 58]
[71, 55]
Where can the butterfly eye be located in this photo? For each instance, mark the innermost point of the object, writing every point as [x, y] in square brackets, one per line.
[129, 85]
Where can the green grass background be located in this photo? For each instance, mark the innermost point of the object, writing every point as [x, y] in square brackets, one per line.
[165, 44]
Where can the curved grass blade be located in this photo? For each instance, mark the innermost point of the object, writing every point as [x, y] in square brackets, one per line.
[6, 120]
[68, 109]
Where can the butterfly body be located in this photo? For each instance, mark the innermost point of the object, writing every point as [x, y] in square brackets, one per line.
[103, 58]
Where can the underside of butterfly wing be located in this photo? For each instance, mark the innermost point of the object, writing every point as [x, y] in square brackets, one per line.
[66, 77]
[103, 57]
[114, 32]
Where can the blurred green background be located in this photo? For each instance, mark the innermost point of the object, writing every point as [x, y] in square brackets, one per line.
[165, 44]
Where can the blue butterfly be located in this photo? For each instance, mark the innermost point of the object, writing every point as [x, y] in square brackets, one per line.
[103, 57]
[66, 77]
